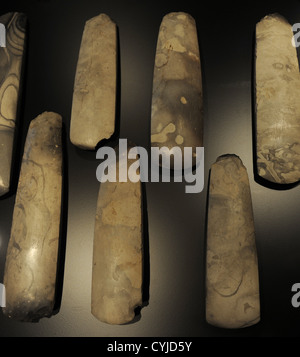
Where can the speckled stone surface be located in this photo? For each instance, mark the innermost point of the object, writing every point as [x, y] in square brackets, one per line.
[177, 105]
[31, 259]
[11, 60]
[118, 252]
[277, 82]
[94, 96]
[232, 281]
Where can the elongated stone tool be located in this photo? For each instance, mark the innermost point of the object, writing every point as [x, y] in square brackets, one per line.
[177, 103]
[232, 280]
[277, 89]
[94, 96]
[11, 60]
[118, 249]
[31, 260]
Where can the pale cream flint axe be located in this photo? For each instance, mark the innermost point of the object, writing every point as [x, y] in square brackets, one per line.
[232, 277]
[117, 276]
[94, 96]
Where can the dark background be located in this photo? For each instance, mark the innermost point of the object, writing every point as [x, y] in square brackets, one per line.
[176, 221]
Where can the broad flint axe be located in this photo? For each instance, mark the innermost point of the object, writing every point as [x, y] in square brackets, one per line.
[32, 254]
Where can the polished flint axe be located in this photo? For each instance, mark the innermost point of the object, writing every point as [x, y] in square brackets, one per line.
[277, 104]
[32, 254]
[232, 279]
[177, 96]
[117, 275]
[94, 95]
[11, 61]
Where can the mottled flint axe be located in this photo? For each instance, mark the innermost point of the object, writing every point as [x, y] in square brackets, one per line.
[32, 255]
[94, 96]
[232, 280]
[277, 104]
[177, 98]
[117, 276]
[11, 61]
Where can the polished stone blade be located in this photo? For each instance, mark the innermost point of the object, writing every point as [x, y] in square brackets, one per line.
[177, 105]
[31, 260]
[11, 59]
[94, 97]
[277, 84]
[118, 251]
[232, 282]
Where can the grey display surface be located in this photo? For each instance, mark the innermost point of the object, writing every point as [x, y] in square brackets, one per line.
[176, 220]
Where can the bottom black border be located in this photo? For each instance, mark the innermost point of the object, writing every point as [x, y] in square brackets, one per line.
[156, 346]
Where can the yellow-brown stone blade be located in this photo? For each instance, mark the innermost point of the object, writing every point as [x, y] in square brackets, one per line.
[277, 82]
[11, 60]
[94, 97]
[31, 260]
[232, 281]
[118, 252]
[177, 104]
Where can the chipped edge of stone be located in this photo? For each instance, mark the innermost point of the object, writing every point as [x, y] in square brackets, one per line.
[274, 17]
[232, 157]
[102, 16]
[181, 15]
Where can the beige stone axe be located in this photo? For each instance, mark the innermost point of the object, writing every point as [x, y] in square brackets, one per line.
[32, 256]
[277, 105]
[232, 280]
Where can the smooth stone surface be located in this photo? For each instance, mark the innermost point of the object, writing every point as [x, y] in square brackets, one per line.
[31, 260]
[11, 59]
[118, 252]
[177, 105]
[232, 281]
[94, 97]
[277, 83]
